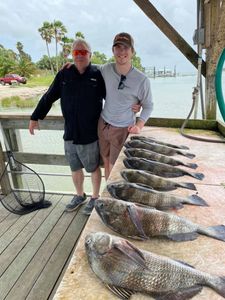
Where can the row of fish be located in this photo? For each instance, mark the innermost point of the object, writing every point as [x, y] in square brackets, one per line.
[137, 210]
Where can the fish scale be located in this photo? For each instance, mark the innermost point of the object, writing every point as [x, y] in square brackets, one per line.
[154, 181]
[139, 193]
[158, 168]
[141, 222]
[136, 270]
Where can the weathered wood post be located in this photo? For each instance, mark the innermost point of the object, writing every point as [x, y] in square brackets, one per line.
[4, 183]
[214, 23]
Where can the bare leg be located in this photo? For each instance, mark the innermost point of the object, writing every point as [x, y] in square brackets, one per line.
[78, 180]
[110, 168]
[96, 177]
[106, 166]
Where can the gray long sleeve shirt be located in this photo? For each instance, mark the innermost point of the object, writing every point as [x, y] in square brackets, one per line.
[117, 109]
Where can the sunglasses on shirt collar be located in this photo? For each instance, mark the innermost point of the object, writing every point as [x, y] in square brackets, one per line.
[121, 83]
[80, 52]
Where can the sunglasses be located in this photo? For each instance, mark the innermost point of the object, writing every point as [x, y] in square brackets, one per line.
[80, 52]
[121, 83]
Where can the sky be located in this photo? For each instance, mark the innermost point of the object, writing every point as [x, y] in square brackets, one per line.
[100, 21]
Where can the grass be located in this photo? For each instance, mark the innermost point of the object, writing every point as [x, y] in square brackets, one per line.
[16, 101]
[39, 81]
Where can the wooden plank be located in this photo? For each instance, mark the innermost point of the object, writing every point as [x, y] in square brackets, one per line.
[3, 213]
[52, 269]
[4, 184]
[14, 230]
[177, 123]
[13, 272]
[55, 246]
[8, 222]
[22, 122]
[44, 159]
[170, 33]
[24, 236]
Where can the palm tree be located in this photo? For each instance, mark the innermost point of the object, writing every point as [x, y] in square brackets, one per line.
[59, 31]
[79, 34]
[66, 47]
[46, 32]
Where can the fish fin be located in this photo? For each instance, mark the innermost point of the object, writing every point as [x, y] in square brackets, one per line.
[187, 154]
[175, 206]
[180, 237]
[122, 293]
[184, 147]
[190, 165]
[131, 251]
[144, 206]
[196, 200]
[184, 263]
[168, 174]
[187, 185]
[218, 285]
[217, 232]
[133, 212]
[198, 176]
[144, 186]
[183, 294]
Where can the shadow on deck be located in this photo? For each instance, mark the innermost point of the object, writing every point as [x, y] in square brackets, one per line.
[35, 249]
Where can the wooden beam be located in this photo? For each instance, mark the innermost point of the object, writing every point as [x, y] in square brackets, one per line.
[170, 33]
[4, 183]
[215, 43]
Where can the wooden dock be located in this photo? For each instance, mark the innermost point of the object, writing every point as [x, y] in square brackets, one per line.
[204, 253]
[36, 248]
[42, 254]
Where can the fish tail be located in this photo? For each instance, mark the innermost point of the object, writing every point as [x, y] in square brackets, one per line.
[218, 284]
[190, 165]
[198, 176]
[187, 185]
[216, 232]
[189, 155]
[196, 200]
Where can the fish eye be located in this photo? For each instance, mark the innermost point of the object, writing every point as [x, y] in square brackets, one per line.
[88, 241]
[101, 205]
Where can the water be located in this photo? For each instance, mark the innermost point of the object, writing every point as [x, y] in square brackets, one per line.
[172, 99]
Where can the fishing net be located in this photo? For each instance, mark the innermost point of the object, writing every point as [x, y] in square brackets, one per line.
[23, 190]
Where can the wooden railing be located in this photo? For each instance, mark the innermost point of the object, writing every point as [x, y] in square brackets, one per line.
[12, 122]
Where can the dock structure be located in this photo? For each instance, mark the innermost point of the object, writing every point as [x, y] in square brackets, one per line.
[35, 249]
[204, 253]
[210, 32]
[42, 253]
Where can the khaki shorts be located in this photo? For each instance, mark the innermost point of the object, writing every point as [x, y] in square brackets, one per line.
[111, 140]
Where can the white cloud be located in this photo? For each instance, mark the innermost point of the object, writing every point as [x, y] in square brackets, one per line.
[100, 21]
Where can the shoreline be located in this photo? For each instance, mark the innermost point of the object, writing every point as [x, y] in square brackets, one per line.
[22, 91]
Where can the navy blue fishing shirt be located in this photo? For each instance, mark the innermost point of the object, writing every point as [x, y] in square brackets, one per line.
[81, 97]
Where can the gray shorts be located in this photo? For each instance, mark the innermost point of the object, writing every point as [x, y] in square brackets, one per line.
[82, 156]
